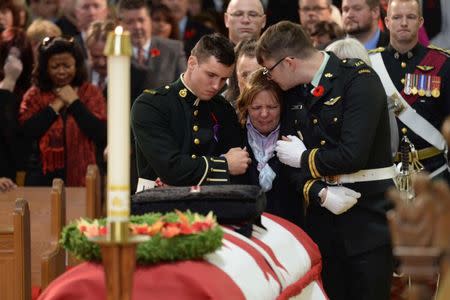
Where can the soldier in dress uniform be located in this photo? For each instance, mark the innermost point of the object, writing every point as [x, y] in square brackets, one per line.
[337, 147]
[417, 82]
[186, 133]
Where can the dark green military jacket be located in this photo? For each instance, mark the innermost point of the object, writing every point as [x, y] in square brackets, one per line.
[181, 140]
[345, 128]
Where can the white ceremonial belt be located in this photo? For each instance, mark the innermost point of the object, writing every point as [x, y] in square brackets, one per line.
[364, 175]
[405, 112]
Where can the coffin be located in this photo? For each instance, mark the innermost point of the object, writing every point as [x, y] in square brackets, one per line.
[279, 261]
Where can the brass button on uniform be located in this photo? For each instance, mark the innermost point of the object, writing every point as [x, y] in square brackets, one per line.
[167, 87]
[193, 156]
[195, 128]
[335, 119]
[195, 112]
[402, 81]
[322, 142]
[196, 141]
[403, 64]
[315, 121]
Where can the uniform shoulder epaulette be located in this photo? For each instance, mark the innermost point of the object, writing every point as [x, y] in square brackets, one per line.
[445, 51]
[376, 50]
[159, 91]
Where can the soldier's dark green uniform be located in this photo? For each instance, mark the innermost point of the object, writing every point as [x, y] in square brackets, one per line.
[345, 129]
[433, 106]
[181, 140]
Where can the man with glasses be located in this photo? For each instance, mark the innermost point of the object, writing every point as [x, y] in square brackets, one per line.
[417, 80]
[244, 19]
[360, 18]
[313, 11]
[335, 129]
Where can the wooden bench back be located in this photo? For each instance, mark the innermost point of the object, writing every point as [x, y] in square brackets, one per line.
[93, 192]
[15, 255]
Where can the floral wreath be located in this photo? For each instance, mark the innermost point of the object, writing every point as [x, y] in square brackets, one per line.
[173, 236]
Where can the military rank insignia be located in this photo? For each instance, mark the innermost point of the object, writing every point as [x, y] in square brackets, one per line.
[422, 85]
[182, 93]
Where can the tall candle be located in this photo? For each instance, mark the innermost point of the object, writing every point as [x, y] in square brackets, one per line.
[118, 50]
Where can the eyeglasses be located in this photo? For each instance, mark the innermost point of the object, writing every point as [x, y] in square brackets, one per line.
[316, 9]
[266, 71]
[252, 15]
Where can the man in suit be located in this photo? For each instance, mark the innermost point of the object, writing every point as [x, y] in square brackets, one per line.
[156, 61]
[190, 30]
[360, 18]
[338, 151]
[186, 132]
[313, 11]
[244, 19]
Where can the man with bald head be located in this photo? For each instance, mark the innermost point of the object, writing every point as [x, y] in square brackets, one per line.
[244, 19]
[313, 11]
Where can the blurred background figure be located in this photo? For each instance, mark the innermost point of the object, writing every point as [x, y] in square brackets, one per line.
[246, 64]
[40, 29]
[45, 9]
[190, 30]
[361, 21]
[9, 14]
[324, 32]
[97, 61]
[87, 12]
[67, 20]
[16, 63]
[259, 109]
[163, 23]
[313, 11]
[63, 114]
[244, 19]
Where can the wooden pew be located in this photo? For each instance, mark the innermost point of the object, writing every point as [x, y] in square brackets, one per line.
[15, 255]
[93, 192]
[53, 261]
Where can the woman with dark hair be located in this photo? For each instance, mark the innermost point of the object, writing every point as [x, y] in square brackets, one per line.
[163, 23]
[9, 15]
[259, 108]
[14, 42]
[64, 114]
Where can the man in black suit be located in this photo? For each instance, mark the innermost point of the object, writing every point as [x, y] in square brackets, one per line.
[190, 30]
[360, 18]
[337, 146]
[186, 132]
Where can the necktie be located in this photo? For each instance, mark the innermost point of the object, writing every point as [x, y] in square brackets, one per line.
[141, 56]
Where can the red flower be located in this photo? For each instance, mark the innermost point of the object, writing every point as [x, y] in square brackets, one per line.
[189, 34]
[154, 52]
[318, 91]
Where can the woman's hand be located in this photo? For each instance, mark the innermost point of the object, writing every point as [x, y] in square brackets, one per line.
[67, 94]
[12, 70]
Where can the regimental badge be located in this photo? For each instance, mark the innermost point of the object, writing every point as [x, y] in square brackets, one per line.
[332, 101]
[182, 93]
[425, 68]
[397, 102]
[328, 75]
[435, 86]
[364, 71]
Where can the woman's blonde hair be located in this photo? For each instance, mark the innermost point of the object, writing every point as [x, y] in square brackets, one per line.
[257, 83]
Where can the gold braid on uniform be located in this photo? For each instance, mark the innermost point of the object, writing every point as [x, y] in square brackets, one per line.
[306, 189]
[312, 163]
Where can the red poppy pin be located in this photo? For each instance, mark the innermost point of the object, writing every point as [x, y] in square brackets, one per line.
[154, 52]
[318, 91]
[189, 34]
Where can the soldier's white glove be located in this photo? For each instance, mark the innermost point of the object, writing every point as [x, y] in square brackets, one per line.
[338, 199]
[290, 152]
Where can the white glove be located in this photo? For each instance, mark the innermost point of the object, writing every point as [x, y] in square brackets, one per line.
[290, 152]
[338, 199]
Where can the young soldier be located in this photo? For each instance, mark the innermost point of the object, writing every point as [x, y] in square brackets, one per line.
[182, 129]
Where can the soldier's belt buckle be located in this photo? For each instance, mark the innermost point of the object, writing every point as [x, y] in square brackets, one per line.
[332, 180]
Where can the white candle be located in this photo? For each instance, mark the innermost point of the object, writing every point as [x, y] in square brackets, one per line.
[118, 50]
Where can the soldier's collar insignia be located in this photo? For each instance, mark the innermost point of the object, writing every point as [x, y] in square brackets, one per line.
[182, 93]
[425, 68]
[151, 92]
[328, 75]
[359, 63]
[332, 101]
[409, 54]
